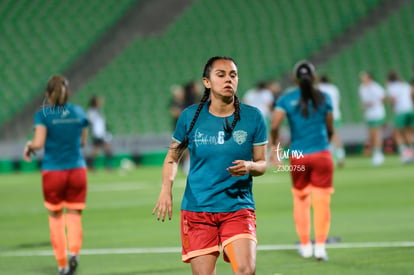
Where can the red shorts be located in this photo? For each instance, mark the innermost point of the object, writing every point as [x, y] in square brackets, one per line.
[205, 233]
[64, 188]
[314, 170]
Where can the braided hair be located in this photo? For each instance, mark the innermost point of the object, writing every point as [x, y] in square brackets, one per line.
[228, 128]
[304, 72]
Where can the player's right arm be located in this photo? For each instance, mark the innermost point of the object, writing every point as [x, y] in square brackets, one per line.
[169, 171]
[37, 143]
[84, 136]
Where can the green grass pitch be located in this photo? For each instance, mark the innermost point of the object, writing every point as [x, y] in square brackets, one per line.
[372, 213]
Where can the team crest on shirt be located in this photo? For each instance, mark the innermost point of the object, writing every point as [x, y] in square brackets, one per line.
[240, 136]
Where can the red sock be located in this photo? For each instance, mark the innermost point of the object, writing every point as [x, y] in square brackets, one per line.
[321, 199]
[58, 239]
[74, 226]
[301, 215]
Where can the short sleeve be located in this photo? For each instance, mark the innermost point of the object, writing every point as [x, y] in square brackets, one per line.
[91, 115]
[180, 127]
[381, 91]
[85, 121]
[260, 136]
[281, 104]
[328, 101]
[269, 98]
[39, 119]
[82, 115]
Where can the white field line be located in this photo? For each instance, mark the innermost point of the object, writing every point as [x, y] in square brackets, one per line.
[125, 186]
[163, 250]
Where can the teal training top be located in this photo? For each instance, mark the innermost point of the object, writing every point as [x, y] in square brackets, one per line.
[308, 134]
[210, 187]
[64, 126]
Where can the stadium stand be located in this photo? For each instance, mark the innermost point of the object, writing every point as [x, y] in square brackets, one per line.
[45, 37]
[386, 47]
[253, 32]
[266, 37]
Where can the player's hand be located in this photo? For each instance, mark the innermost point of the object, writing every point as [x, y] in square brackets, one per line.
[27, 152]
[164, 206]
[240, 168]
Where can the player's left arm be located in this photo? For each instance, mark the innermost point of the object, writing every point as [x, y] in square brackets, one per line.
[329, 125]
[36, 143]
[255, 167]
[277, 118]
[329, 120]
[258, 166]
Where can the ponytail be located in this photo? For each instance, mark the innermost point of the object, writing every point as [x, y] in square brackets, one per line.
[308, 92]
[57, 90]
[305, 73]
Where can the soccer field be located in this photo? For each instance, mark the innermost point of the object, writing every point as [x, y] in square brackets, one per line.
[372, 214]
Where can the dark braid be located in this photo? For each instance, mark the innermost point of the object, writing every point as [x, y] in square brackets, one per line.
[227, 127]
[184, 143]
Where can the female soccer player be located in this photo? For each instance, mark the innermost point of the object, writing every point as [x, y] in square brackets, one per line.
[400, 97]
[337, 147]
[309, 112]
[101, 137]
[372, 97]
[61, 128]
[227, 143]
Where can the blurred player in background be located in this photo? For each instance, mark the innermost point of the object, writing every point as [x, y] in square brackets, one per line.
[309, 113]
[101, 137]
[274, 87]
[227, 145]
[372, 97]
[177, 103]
[332, 90]
[61, 129]
[399, 95]
[261, 98]
[177, 106]
[192, 93]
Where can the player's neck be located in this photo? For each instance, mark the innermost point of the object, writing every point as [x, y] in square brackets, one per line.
[221, 108]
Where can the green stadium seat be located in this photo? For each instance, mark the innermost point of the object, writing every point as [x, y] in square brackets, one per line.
[26, 38]
[378, 51]
[136, 83]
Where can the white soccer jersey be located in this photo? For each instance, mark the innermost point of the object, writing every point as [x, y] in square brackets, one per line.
[333, 91]
[262, 100]
[401, 93]
[372, 96]
[97, 121]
